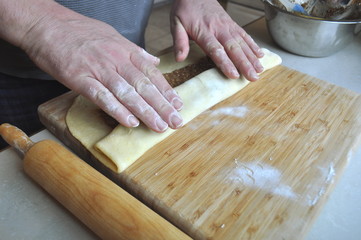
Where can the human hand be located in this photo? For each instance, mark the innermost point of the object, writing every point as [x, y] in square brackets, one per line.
[229, 46]
[93, 59]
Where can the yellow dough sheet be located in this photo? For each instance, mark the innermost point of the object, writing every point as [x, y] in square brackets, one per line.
[118, 148]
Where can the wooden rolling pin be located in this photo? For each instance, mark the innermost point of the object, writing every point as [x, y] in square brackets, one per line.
[99, 203]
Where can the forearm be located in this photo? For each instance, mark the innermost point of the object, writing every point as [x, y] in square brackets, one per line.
[19, 17]
[92, 58]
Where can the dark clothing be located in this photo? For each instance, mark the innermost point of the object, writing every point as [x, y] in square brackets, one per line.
[20, 98]
[22, 85]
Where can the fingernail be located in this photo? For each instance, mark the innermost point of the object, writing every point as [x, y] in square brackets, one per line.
[157, 61]
[254, 75]
[177, 103]
[133, 121]
[162, 126]
[260, 52]
[235, 73]
[176, 120]
[179, 55]
[259, 66]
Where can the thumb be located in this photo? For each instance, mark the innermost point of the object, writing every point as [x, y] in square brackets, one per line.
[180, 40]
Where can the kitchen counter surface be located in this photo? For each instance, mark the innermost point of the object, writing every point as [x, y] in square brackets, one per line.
[27, 212]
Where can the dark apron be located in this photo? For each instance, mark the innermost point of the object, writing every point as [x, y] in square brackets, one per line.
[22, 85]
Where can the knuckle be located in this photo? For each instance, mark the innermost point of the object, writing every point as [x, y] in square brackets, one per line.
[126, 93]
[225, 67]
[101, 95]
[242, 44]
[245, 63]
[249, 39]
[219, 56]
[147, 111]
[241, 32]
[111, 109]
[136, 53]
[215, 49]
[104, 99]
[166, 108]
[151, 72]
[232, 45]
[170, 93]
[244, 34]
[144, 85]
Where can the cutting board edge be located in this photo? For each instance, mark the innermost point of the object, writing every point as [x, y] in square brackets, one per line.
[67, 138]
[63, 133]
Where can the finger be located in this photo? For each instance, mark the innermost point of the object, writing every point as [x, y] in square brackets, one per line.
[250, 54]
[243, 58]
[216, 52]
[149, 57]
[241, 54]
[180, 40]
[251, 43]
[155, 100]
[158, 80]
[127, 95]
[103, 98]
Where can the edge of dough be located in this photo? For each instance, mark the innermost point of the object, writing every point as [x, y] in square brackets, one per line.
[130, 144]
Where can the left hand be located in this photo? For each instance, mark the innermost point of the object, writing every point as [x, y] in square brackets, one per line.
[208, 24]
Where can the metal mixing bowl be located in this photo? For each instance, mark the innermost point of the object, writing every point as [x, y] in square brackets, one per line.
[307, 36]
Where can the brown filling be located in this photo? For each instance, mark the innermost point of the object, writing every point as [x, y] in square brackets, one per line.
[179, 76]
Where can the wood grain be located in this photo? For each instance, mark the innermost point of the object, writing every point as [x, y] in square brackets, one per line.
[104, 207]
[258, 165]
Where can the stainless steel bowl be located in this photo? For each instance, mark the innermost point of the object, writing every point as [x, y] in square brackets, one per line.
[308, 36]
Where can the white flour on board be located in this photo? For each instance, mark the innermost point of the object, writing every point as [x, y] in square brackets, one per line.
[239, 112]
[261, 176]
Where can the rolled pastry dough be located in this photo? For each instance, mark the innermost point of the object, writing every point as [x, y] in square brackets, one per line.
[119, 148]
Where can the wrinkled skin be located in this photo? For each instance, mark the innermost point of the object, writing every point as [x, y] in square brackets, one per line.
[91, 58]
[229, 46]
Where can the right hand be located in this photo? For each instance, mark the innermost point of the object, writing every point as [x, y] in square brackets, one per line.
[93, 59]
[223, 40]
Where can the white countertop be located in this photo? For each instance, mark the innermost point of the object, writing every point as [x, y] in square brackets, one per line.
[27, 212]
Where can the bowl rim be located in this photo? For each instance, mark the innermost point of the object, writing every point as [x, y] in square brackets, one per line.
[354, 21]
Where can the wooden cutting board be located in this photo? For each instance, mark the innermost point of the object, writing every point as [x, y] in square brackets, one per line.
[258, 165]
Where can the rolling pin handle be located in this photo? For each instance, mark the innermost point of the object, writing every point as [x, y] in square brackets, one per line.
[15, 137]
